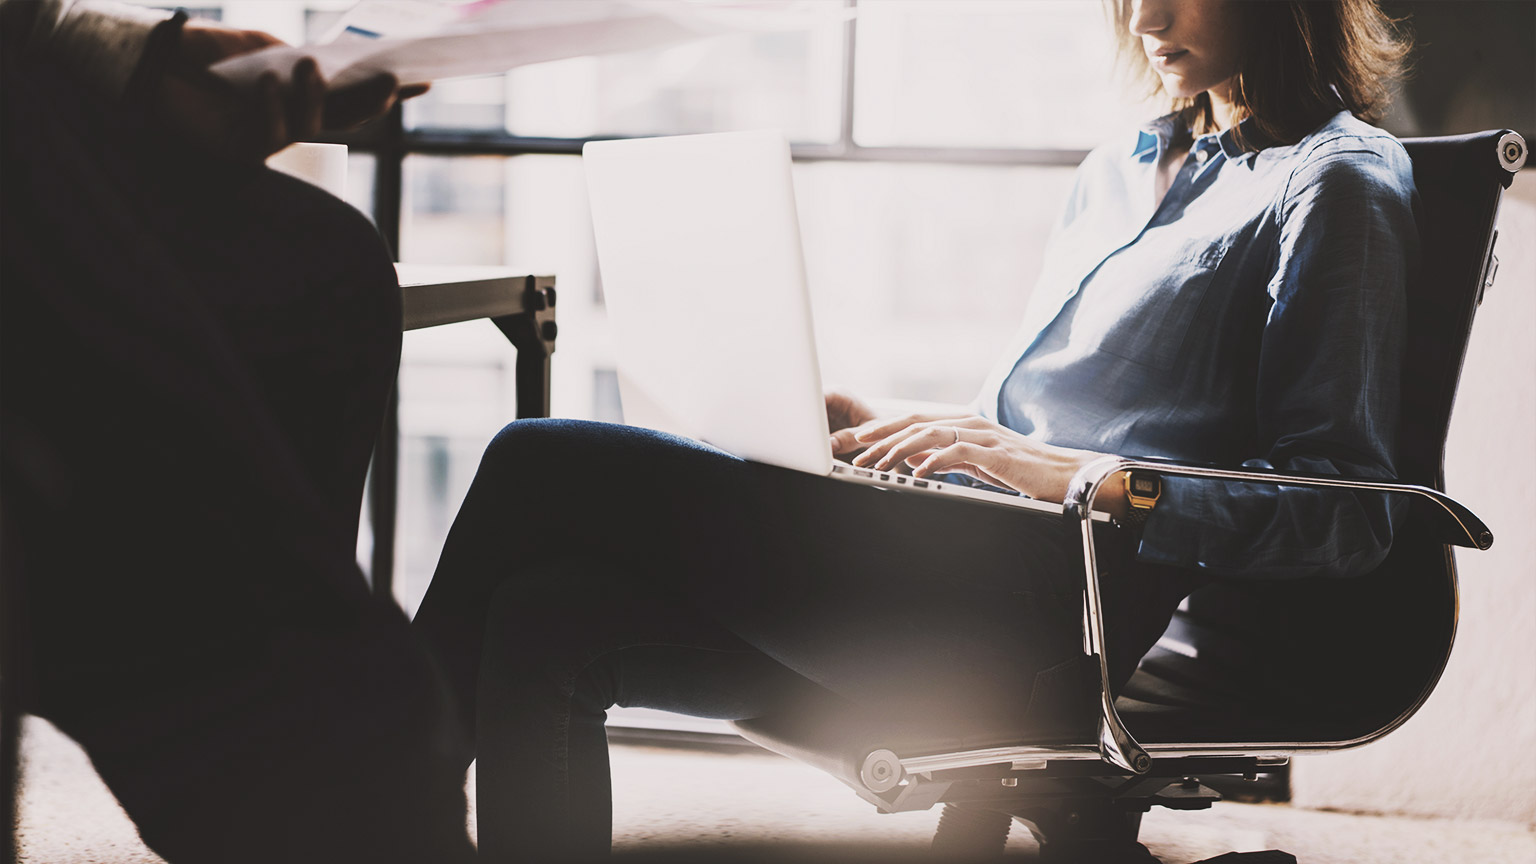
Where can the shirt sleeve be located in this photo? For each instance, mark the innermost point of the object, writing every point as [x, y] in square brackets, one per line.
[1328, 390]
[101, 41]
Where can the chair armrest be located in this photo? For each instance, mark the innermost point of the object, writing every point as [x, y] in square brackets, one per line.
[1453, 522]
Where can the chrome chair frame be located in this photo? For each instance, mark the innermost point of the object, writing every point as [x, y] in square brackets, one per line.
[1116, 746]
[1092, 789]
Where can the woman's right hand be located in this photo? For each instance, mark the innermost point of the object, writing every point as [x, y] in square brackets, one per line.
[848, 415]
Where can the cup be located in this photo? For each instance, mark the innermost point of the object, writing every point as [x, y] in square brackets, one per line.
[324, 165]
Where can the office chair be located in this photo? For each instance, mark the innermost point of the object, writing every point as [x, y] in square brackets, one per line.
[1228, 690]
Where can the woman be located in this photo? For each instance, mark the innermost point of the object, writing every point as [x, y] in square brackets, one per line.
[1226, 286]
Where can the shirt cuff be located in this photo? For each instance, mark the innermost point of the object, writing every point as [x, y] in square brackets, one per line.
[102, 42]
[1171, 535]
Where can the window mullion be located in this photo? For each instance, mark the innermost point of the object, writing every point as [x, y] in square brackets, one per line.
[845, 141]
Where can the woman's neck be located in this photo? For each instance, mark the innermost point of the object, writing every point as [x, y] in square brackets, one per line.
[1223, 110]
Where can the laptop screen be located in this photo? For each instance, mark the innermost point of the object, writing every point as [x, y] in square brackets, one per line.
[698, 241]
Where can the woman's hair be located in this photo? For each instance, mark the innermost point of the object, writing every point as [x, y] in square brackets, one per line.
[1303, 61]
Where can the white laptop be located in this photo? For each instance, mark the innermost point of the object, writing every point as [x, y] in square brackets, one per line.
[698, 241]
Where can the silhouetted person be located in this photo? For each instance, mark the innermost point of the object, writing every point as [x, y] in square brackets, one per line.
[196, 355]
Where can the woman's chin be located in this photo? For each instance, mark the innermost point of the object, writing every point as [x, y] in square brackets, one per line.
[1177, 88]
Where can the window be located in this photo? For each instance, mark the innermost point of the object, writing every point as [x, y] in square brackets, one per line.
[1008, 92]
[927, 189]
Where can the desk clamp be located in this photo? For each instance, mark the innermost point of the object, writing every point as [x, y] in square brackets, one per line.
[533, 331]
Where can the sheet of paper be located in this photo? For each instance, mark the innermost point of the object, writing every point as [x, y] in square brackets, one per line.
[492, 36]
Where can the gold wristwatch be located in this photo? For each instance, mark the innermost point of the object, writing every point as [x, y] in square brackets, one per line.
[1142, 489]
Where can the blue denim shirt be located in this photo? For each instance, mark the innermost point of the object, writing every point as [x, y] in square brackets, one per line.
[1255, 317]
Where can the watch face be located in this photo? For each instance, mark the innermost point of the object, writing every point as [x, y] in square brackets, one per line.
[1145, 485]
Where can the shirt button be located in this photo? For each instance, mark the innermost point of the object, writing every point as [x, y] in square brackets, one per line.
[1201, 155]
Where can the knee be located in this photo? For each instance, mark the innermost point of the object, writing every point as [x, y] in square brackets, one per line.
[544, 444]
[587, 451]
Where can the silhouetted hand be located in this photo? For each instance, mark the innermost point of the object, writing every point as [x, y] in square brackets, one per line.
[252, 126]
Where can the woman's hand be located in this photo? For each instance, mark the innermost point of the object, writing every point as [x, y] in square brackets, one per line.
[845, 414]
[252, 126]
[988, 451]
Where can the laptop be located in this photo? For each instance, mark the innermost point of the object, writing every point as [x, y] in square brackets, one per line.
[698, 243]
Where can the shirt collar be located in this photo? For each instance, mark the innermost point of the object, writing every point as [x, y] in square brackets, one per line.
[1254, 139]
[1146, 145]
[1152, 138]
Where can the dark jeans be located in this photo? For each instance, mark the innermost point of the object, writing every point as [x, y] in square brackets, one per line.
[195, 361]
[596, 565]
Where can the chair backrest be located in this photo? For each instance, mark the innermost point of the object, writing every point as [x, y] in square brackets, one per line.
[1345, 659]
[1460, 181]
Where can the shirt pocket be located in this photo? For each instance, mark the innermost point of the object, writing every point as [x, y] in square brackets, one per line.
[1150, 321]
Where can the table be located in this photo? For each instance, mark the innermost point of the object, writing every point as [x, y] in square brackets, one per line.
[522, 306]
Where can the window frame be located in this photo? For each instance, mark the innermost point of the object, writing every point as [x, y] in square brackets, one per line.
[389, 142]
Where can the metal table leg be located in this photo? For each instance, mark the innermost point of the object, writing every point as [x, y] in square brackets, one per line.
[532, 331]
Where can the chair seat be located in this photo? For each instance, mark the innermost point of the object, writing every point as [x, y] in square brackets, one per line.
[1172, 699]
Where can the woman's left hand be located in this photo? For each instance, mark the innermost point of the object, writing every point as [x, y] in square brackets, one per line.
[988, 451]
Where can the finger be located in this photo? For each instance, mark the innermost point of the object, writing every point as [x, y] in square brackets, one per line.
[204, 43]
[272, 135]
[306, 100]
[930, 438]
[977, 460]
[879, 445]
[843, 442]
[361, 102]
[950, 458]
[976, 429]
[877, 448]
[858, 429]
[411, 91]
[887, 427]
[906, 442]
[878, 429]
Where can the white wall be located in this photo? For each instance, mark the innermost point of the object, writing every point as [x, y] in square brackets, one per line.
[1468, 751]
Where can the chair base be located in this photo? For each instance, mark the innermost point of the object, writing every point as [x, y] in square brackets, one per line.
[1079, 832]
[1092, 820]
[1083, 831]
[970, 833]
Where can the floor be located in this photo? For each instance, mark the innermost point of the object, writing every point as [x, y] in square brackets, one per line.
[674, 804]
